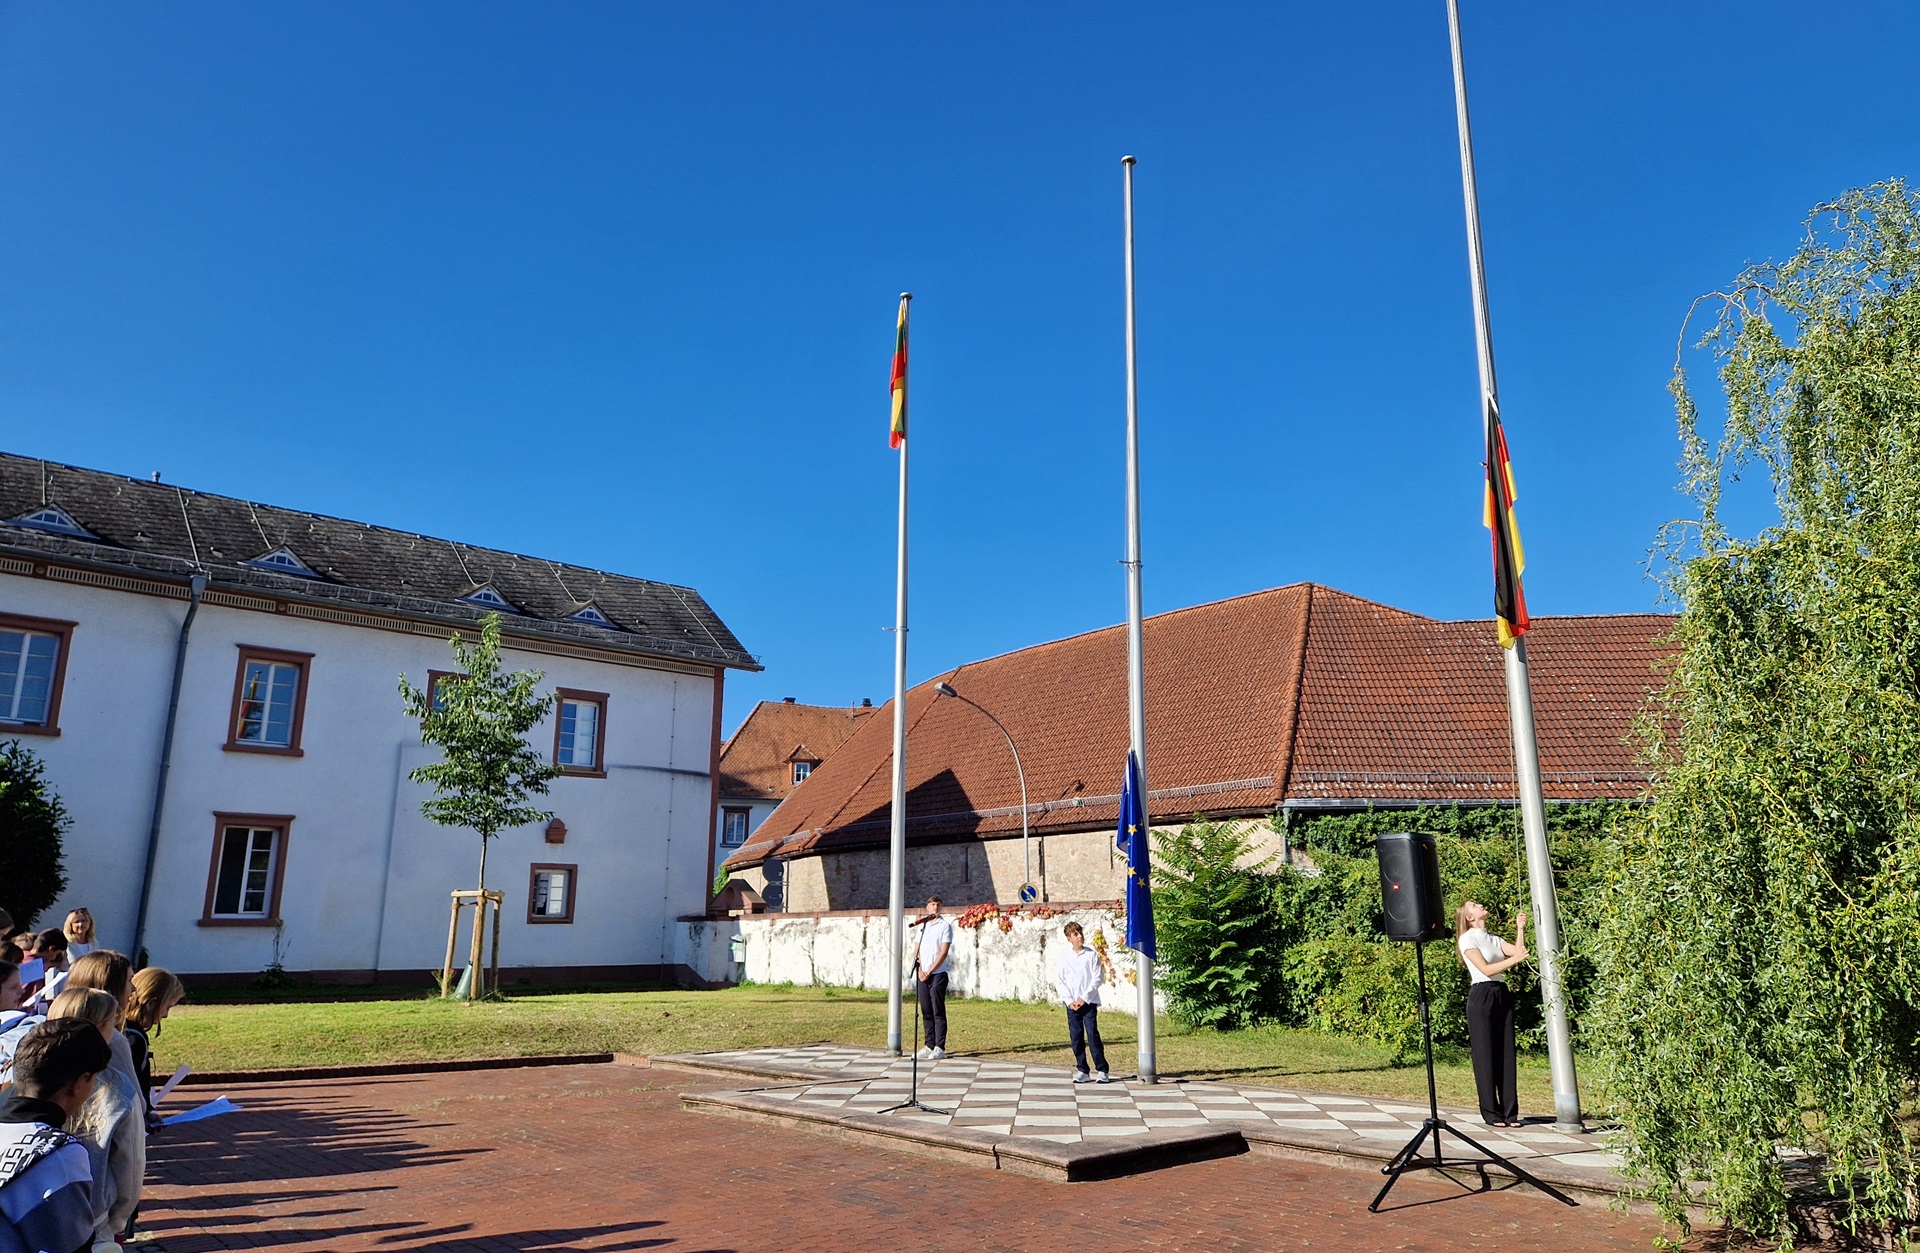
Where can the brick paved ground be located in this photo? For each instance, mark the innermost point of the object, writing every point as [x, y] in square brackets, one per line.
[600, 1158]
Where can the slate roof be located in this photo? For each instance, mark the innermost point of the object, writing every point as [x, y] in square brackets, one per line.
[159, 529]
[1302, 695]
[757, 761]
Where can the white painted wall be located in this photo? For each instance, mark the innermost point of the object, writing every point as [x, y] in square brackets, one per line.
[850, 951]
[367, 878]
[758, 808]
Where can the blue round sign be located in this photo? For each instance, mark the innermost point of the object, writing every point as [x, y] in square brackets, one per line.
[1029, 894]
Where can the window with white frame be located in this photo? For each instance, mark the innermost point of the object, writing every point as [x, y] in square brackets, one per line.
[550, 895]
[580, 731]
[29, 662]
[247, 870]
[801, 769]
[733, 826]
[269, 701]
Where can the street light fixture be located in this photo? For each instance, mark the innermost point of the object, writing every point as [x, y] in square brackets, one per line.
[1028, 893]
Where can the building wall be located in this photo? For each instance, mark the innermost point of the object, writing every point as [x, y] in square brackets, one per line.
[1077, 866]
[366, 876]
[758, 806]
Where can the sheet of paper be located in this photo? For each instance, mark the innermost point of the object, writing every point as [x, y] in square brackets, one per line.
[212, 1109]
[32, 971]
[160, 1093]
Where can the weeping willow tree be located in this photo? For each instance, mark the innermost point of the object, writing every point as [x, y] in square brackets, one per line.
[1758, 950]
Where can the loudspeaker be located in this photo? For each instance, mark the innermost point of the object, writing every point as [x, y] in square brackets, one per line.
[1410, 904]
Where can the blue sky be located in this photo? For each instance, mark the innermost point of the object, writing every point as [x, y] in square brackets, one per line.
[615, 283]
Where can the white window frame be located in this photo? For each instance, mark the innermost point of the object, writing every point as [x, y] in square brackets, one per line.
[540, 893]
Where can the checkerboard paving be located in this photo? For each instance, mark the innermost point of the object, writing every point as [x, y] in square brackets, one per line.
[1043, 1103]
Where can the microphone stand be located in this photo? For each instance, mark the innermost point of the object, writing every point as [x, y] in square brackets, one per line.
[1408, 1158]
[913, 1083]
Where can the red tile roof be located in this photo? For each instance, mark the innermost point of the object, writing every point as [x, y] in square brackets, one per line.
[757, 761]
[1302, 693]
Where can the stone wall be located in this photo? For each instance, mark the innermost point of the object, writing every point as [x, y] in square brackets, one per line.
[849, 950]
[1076, 866]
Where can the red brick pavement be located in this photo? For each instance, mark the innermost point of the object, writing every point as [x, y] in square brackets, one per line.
[600, 1158]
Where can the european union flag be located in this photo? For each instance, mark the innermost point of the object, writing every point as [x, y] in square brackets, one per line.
[1132, 840]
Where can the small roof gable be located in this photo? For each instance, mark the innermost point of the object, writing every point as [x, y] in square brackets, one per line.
[51, 517]
[283, 560]
[757, 762]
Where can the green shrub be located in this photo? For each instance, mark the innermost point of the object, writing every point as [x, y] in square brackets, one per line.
[32, 822]
[1214, 916]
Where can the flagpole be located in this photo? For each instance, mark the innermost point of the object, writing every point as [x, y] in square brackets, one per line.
[1526, 747]
[897, 845]
[1136, 666]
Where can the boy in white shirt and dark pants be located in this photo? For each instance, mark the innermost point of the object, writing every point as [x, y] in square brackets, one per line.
[935, 945]
[1079, 982]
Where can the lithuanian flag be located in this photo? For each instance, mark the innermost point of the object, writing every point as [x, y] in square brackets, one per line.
[1509, 598]
[898, 435]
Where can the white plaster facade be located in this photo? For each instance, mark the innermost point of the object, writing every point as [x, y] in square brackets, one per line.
[366, 877]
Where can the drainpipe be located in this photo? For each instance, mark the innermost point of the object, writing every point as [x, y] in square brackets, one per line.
[199, 586]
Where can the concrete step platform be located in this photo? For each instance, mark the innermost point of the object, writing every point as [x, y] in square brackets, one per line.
[1035, 1120]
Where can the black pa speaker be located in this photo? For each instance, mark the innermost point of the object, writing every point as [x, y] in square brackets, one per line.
[1410, 904]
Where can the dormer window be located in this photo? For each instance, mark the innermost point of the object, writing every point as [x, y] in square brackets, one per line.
[592, 616]
[54, 518]
[282, 561]
[486, 596]
[801, 769]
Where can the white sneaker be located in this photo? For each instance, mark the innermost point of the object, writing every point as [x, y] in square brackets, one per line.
[937, 1054]
[1079, 1076]
[929, 1053]
[1102, 1078]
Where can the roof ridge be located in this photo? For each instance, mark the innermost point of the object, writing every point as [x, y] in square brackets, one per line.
[328, 517]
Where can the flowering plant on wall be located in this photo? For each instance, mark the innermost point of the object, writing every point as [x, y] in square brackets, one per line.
[973, 915]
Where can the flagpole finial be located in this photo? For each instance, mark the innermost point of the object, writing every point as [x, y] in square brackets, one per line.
[906, 295]
[1127, 161]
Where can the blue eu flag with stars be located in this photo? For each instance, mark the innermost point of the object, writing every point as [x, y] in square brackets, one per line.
[1132, 840]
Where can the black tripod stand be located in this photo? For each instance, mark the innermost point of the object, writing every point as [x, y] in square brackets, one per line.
[913, 1083]
[1408, 1158]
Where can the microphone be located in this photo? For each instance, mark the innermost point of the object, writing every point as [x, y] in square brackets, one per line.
[924, 919]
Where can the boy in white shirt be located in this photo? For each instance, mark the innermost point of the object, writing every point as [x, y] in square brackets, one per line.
[935, 944]
[1079, 983]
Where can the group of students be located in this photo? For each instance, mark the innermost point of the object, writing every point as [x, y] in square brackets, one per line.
[76, 1087]
[1078, 980]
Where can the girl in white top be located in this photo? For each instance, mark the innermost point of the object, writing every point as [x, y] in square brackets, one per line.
[1487, 958]
[79, 932]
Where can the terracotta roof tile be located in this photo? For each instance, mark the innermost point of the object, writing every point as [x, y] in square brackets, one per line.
[1298, 693]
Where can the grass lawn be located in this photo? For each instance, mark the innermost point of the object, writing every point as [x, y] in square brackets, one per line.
[236, 1037]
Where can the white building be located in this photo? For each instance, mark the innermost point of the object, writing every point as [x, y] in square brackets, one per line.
[265, 814]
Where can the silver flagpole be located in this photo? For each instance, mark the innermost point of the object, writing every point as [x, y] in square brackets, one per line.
[1136, 669]
[1526, 748]
[897, 845]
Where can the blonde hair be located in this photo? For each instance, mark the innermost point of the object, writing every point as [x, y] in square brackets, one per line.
[78, 915]
[104, 970]
[154, 988]
[1460, 927]
[89, 1004]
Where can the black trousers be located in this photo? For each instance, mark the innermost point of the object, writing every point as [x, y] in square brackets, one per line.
[933, 1009]
[1083, 1030]
[1490, 1030]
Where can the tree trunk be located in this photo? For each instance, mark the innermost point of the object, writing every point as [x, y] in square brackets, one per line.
[476, 973]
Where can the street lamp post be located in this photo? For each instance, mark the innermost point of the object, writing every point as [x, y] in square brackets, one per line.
[1026, 845]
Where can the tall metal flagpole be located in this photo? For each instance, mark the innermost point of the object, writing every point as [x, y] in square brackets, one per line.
[1136, 669]
[897, 845]
[1526, 749]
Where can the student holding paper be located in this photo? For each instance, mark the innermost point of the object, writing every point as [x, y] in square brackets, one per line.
[155, 993]
[46, 1186]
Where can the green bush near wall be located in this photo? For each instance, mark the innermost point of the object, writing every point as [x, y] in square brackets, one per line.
[1322, 960]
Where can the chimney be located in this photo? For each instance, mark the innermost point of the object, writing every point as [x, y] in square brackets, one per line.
[786, 700]
[866, 702]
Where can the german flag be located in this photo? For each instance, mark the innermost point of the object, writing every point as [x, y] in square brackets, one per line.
[1509, 598]
[898, 433]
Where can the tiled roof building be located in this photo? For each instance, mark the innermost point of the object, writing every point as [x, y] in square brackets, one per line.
[778, 745]
[1299, 697]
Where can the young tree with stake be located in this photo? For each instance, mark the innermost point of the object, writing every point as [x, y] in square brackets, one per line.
[479, 718]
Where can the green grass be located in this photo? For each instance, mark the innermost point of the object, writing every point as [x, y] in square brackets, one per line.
[242, 1037]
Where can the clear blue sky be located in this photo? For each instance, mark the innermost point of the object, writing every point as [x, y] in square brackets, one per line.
[615, 283]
